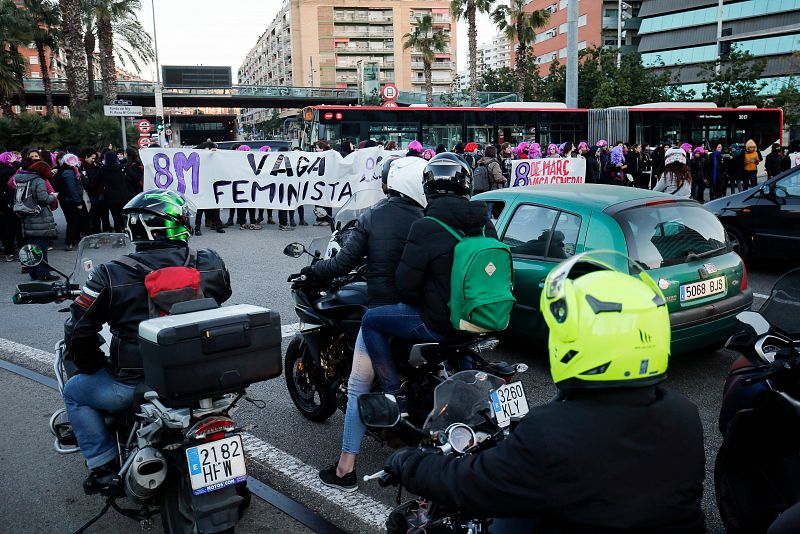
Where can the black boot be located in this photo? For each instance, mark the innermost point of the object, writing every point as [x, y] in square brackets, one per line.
[100, 478]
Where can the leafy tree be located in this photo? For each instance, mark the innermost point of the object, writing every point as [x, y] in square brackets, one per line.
[467, 9]
[15, 32]
[373, 99]
[788, 98]
[520, 25]
[44, 21]
[734, 80]
[427, 42]
[498, 80]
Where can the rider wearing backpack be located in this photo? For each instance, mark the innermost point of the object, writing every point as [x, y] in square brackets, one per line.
[425, 270]
[489, 174]
[123, 293]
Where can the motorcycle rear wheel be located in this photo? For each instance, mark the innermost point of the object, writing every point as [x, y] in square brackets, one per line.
[176, 506]
[317, 402]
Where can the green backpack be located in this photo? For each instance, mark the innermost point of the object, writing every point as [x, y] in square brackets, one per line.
[480, 283]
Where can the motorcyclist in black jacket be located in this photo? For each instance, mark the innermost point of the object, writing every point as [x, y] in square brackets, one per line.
[380, 235]
[423, 276]
[158, 223]
[615, 452]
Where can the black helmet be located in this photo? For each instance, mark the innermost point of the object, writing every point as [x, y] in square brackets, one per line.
[447, 173]
[158, 215]
[387, 163]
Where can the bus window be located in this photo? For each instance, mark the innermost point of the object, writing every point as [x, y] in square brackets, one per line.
[446, 134]
[516, 133]
[401, 133]
[329, 132]
[480, 134]
[703, 134]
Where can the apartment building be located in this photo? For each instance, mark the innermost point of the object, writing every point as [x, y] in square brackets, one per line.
[682, 35]
[327, 43]
[597, 26]
[491, 56]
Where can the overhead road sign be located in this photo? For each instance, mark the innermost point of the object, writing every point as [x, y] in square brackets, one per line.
[122, 111]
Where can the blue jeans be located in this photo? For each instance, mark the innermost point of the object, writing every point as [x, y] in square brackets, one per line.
[41, 269]
[398, 320]
[86, 397]
[361, 378]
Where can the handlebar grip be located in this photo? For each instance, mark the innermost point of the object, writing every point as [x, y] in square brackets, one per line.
[34, 297]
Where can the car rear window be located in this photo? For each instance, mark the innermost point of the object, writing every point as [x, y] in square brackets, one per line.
[670, 234]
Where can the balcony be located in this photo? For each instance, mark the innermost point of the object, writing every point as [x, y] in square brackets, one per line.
[384, 49]
[363, 17]
[371, 32]
[346, 78]
[448, 65]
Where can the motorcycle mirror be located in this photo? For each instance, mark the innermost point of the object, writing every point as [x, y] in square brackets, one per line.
[31, 255]
[766, 190]
[378, 410]
[294, 250]
[753, 323]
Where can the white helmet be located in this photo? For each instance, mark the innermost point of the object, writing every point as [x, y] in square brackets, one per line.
[405, 177]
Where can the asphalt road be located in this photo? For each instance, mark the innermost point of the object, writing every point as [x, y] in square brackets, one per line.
[295, 448]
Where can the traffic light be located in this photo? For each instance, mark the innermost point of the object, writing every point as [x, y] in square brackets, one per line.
[160, 127]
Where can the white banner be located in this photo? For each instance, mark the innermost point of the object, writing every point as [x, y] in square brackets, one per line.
[548, 171]
[282, 180]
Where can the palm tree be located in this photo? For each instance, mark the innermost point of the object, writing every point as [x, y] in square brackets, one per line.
[117, 18]
[45, 20]
[467, 9]
[426, 42]
[520, 26]
[89, 42]
[15, 33]
[72, 43]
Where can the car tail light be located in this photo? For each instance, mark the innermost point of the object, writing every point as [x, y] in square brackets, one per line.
[658, 202]
[744, 276]
[211, 428]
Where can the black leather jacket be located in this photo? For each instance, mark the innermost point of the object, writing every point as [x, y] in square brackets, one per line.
[115, 294]
[380, 235]
[616, 461]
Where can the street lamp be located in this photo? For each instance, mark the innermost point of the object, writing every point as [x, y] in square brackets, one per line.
[158, 90]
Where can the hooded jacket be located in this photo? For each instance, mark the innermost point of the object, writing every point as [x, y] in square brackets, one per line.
[115, 294]
[423, 276]
[380, 235]
[41, 224]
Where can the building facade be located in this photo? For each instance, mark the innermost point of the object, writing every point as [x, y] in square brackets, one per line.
[681, 35]
[328, 43]
[597, 26]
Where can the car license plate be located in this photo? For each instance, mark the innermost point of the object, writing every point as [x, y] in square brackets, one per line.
[215, 465]
[703, 289]
[509, 401]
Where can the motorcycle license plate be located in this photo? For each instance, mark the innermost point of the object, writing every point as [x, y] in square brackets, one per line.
[703, 289]
[216, 465]
[509, 401]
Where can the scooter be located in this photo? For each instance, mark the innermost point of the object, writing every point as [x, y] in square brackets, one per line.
[757, 470]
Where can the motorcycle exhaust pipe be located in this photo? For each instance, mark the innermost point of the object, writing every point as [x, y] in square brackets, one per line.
[147, 472]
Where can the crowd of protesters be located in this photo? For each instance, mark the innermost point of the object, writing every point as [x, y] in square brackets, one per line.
[90, 187]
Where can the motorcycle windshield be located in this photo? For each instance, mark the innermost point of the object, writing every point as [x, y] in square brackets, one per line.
[461, 399]
[782, 309]
[359, 203]
[96, 249]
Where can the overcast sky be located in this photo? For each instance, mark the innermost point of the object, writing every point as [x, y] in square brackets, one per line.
[206, 32]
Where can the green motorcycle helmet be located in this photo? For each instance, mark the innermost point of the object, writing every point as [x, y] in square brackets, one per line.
[609, 323]
[158, 215]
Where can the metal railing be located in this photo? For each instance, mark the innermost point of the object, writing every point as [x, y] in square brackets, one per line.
[457, 99]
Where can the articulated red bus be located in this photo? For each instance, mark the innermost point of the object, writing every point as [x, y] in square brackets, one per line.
[545, 123]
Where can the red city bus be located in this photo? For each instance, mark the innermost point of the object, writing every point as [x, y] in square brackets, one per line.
[673, 123]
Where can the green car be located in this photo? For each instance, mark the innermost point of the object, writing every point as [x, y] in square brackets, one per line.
[683, 247]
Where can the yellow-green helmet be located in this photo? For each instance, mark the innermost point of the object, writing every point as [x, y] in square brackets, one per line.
[608, 320]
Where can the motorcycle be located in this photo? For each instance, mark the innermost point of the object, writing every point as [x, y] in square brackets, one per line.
[319, 358]
[181, 456]
[470, 414]
[757, 470]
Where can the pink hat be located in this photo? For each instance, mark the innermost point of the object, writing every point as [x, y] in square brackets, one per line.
[244, 148]
[583, 145]
[71, 159]
[416, 146]
[7, 158]
[265, 148]
[687, 147]
[602, 142]
[523, 146]
[535, 150]
[699, 150]
[550, 148]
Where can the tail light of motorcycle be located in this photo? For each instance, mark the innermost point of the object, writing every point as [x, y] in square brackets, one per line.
[211, 428]
[744, 276]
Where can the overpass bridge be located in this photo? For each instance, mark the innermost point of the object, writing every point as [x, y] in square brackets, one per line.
[242, 96]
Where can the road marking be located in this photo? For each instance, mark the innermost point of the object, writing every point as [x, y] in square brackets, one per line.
[289, 330]
[360, 505]
[760, 296]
